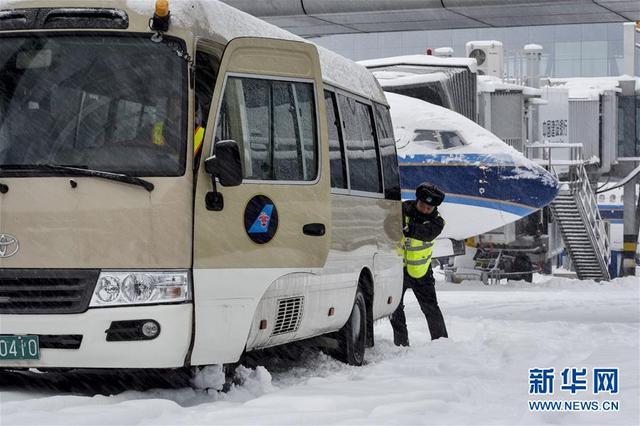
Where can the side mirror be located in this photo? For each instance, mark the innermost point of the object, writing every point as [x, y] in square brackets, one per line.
[225, 164]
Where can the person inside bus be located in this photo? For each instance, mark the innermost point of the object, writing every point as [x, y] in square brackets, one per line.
[165, 129]
[198, 132]
[422, 224]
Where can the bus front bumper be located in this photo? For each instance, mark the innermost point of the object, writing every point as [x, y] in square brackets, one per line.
[62, 333]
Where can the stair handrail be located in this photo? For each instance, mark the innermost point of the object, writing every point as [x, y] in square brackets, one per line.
[543, 153]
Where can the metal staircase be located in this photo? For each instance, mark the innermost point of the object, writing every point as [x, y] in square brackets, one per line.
[583, 231]
[576, 212]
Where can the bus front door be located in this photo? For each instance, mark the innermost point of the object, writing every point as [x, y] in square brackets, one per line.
[267, 99]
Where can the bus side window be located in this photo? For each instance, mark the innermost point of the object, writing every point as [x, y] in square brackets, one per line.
[336, 143]
[387, 153]
[274, 124]
[362, 152]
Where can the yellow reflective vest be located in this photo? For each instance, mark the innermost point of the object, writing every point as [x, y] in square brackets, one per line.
[417, 254]
[157, 133]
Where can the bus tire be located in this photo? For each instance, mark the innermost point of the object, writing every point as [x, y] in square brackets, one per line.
[352, 337]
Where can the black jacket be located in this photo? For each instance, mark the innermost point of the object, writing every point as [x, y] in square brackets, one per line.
[423, 227]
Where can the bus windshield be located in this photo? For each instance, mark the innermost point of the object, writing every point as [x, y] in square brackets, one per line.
[106, 102]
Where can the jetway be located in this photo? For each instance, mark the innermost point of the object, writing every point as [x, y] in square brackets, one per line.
[447, 82]
[602, 117]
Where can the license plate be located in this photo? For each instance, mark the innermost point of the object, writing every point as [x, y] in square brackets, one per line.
[19, 347]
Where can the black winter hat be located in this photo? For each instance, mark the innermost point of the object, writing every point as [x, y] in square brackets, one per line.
[430, 194]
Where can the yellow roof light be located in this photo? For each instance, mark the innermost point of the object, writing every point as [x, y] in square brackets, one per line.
[162, 8]
[160, 20]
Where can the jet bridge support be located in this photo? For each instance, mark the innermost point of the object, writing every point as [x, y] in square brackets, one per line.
[630, 236]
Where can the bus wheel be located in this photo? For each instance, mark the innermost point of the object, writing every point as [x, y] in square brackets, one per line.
[352, 337]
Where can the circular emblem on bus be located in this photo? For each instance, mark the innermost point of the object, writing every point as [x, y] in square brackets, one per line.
[261, 219]
[8, 245]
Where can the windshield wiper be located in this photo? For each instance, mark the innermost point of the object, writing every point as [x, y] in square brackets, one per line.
[79, 171]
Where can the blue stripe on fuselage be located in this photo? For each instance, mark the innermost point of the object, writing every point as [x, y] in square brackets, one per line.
[519, 210]
[497, 159]
[491, 182]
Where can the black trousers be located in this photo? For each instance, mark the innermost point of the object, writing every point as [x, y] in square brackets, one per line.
[425, 291]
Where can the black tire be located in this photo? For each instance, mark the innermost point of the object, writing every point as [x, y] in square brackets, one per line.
[352, 337]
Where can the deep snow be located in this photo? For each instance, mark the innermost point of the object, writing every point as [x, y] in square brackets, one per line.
[478, 376]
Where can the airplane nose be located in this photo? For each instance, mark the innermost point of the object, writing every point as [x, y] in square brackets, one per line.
[530, 184]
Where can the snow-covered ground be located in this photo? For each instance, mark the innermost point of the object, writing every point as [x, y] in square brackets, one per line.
[478, 376]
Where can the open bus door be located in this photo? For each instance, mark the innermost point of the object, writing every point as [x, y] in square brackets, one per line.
[268, 99]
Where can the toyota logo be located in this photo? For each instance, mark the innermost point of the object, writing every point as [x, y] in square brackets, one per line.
[8, 245]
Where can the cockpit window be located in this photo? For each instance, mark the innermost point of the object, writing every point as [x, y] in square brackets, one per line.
[450, 140]
[425, 136]
[438, 139]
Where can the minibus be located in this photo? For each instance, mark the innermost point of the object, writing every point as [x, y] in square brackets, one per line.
[181, 184]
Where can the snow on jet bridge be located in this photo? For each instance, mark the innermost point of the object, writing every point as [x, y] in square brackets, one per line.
[314, 18]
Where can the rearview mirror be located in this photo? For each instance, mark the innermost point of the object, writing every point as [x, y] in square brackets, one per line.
[225, 164]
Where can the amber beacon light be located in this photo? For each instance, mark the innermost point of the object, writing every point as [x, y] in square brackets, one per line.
[161, 16]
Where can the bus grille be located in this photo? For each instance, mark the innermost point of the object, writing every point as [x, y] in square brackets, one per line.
[40, 291]
[289, 315]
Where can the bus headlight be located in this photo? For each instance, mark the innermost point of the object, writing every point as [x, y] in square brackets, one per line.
[117, 288]
[107, 290]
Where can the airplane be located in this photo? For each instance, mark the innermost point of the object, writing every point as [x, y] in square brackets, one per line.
[488, 183]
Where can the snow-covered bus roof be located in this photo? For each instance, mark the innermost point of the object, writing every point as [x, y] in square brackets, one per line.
[426, 60]
[591, 88]
[212, 18]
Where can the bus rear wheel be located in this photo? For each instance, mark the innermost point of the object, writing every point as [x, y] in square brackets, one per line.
[352, 337]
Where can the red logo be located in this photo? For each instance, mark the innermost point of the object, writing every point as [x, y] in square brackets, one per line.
[264, 219]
